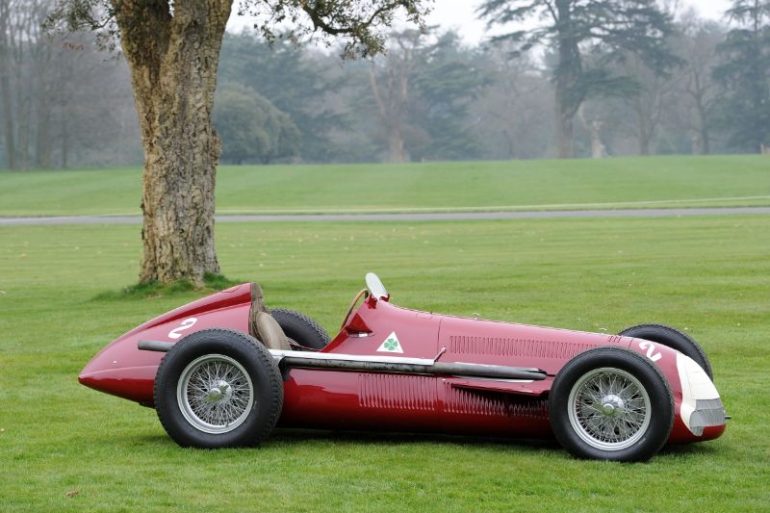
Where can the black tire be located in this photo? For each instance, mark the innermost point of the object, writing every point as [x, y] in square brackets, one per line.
[674, 339]
[250, 386]
[300, 328]
[620, 380]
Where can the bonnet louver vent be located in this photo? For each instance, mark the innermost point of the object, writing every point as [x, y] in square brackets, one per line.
[514, 347]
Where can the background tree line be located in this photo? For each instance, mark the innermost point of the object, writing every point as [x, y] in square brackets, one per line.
[689, 86]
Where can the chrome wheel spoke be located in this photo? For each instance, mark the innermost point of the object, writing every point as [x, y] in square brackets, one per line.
[215, 393]
[609, 409]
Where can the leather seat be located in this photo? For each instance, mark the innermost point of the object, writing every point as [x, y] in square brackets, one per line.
[269, 332]
[262, 325]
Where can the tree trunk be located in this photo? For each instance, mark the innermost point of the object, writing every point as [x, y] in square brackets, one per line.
[43, 141]
[391, 109]
[65, 144]
[5, 88]
[647, 107]
[24, 125]
[173, 73]
[43, 71]
[643, 135]
[705, 141]
[594, 127]
[43, 128]
[565, 132]
[8, 128]
[569, 92]
[703, 127]
[396, 148]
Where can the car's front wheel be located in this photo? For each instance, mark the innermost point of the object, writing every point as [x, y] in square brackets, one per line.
[611, 404]
[218, 388]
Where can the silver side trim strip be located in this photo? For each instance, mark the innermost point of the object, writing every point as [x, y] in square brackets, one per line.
[377, 363]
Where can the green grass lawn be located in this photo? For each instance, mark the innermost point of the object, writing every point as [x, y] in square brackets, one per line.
[67, 448]
[617, 182]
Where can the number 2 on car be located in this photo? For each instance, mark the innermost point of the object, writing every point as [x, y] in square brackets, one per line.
[186, 325]
[652, 354]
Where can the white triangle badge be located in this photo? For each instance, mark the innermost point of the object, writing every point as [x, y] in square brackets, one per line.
[391, 345]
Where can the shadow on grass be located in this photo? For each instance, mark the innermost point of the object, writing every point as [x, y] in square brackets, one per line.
[356, 437]
[695, 449]
[301, 436]
[154, 289]
[523, 446]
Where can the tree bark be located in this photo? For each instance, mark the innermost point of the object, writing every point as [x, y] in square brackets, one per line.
[24, 122]
[392, 108]
[569, 95]
[594, 126]
[65, 143]
[173, 59]
[5, 88]
[43, 69]
[643, 129]
[396, 148]
[703, 126]
[565, 131]
[8, 125]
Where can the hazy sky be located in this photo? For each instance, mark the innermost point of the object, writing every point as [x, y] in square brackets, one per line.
[461, 15]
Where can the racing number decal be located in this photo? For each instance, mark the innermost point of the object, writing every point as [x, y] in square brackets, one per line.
[652, 354]
[186, 325]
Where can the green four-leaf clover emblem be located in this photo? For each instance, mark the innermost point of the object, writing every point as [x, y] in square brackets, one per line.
[391, 345]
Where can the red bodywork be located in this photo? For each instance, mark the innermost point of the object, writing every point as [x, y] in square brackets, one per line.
[336, 399]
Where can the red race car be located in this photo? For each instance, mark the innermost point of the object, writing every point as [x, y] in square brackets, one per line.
[224, 370]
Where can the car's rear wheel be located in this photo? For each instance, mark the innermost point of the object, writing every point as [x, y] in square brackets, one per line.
[611, 404]
[218, 388]
[674, 339]
[300, 328]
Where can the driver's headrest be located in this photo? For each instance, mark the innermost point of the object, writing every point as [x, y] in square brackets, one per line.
[269, 332]
[262, 325]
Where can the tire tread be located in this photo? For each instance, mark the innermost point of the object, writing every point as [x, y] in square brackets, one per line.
[315, 337]
[273, 395]
[667, 336]
[663, 407]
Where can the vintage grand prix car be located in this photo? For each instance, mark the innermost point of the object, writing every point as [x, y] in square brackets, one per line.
[224, 370]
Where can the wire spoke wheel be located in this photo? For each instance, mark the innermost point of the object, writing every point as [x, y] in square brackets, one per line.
[609, 409]
[218, 388]
[215, 393]
[611, 403]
